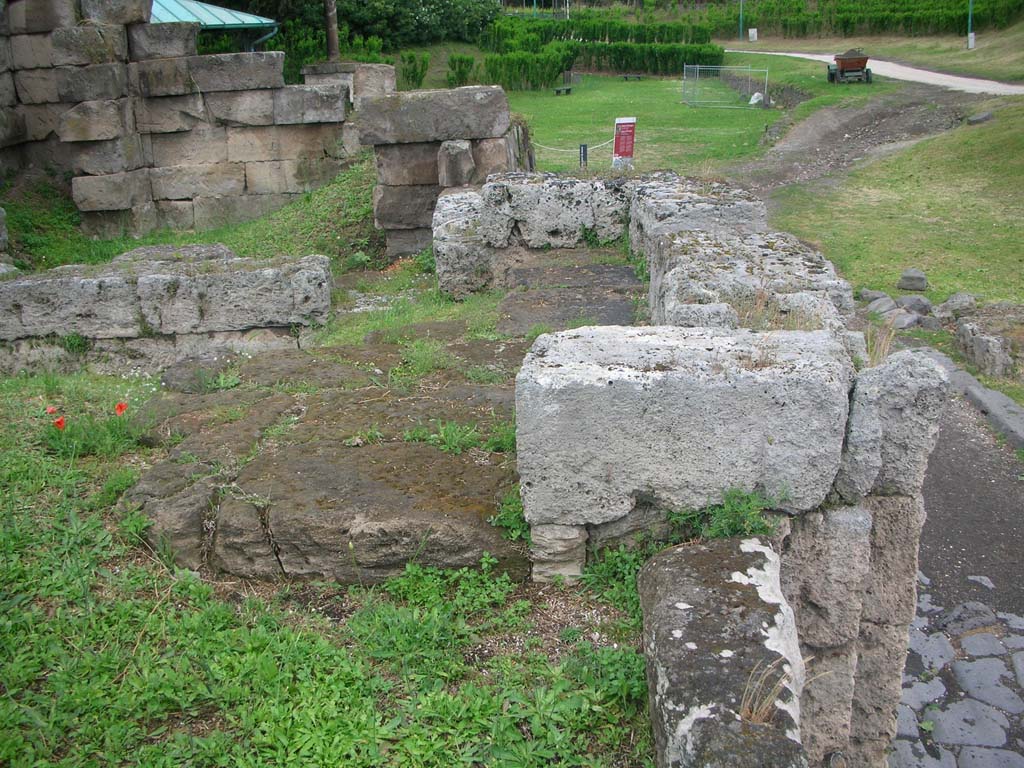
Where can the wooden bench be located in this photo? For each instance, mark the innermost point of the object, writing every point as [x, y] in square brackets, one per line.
[632, 77]
[566, 89]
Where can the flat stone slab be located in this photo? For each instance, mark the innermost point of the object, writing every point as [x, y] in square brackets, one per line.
[607, 416]
[555, 309]
[473, 112]
[970, 722]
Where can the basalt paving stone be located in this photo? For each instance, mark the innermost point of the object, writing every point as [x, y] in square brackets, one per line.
[988, 680]
[970, 723]
[981, 757]
[612, 277]
[561, 308]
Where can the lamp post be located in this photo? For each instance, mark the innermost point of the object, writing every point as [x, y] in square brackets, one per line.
[970, 25]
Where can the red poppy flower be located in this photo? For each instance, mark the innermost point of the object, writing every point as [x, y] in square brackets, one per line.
[120, 408]
[51, 409]
[59, 423]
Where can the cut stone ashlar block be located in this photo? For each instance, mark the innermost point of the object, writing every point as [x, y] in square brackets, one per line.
[115, 192]
[184, 182]
[237, 71]
[473, 112]
[400, 165]
[30, 16]
[31, 51]
[204, 144]
[371, 81]
[41, 119]
[310, 104]
[96, 121]
[136, 221]
[97, 158]
[685, 415]
[254, 107]
[714, 619]
[117, 11]
[5, 52]
[465, 263]
[289, 176]
[92, 83]
[213, 212]
[161, 77]
[406, 242]
[36, 86]
[129, 297]
[170, 114]
[8, 93]
[284, 142]
[404, 207]
[89, 44]
[162, 41]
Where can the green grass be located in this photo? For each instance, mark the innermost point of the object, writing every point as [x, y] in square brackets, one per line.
[951, 206]
[999, 54]
[670, 135]
[335, 220]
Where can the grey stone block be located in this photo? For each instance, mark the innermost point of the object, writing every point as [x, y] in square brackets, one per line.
[934, 650]
[162, 77]
[455, 164]
[474, 112]
[491, 156]
[114, 192]
[42, 16]
[31, 51]
[406, 242]
[407, 164]
[241, 107]
[965, 617]
[982, 645]
[919, 305]
[8, 93]
[170, 114]
[89, 44]
[971, 723]
[184, 182]
[923, 692]
[97, 158]
[92, 83]
[96, 121]
[284, 142]
[989, 681]
[983, 757]
[117, 11]
[204, 144]
[178, 215]
[289, 176]
[36, 86]
[882, 305]
[213, 212]
[913, 280]
[371, 81]
[310, 104]
[912, 754]
[558, 551]
[237, 71]
[404, 207]
[162, 41]
[1005, 415]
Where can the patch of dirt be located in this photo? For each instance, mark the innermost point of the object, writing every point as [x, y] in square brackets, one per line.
[835, 138]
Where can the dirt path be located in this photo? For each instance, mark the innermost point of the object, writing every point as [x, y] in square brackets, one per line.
[914, 74]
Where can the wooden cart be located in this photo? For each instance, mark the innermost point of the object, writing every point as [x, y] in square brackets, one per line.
[849, 66]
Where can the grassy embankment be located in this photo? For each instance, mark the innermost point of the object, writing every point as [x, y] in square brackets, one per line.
[999, 54]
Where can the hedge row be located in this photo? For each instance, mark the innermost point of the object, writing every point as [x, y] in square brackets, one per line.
[655, 59]
[501, 36]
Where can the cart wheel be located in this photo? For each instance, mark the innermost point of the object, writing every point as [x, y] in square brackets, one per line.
[867, 75]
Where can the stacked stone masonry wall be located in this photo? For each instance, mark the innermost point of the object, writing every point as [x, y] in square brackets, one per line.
[156, 135]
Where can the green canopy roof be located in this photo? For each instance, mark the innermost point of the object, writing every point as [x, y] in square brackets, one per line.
[210, 16]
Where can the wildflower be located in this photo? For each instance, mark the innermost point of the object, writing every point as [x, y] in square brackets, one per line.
[51, 409]
[120, 408]
[59, 423]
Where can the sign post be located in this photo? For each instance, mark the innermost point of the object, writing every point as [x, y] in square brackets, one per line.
[583, 155]
[625, 140]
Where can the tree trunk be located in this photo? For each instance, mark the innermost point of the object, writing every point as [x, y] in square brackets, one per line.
[331, 21]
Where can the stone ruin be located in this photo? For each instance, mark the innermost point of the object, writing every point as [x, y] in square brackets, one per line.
[750, 380]
[157, 136]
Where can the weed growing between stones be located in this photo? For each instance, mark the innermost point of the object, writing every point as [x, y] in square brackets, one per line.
[449, 436]
[420, 358]
[228, 378]
[739, 514]
[365, 437]
[879, 339]
[510, 517]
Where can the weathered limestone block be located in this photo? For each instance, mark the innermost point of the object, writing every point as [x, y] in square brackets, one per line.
[204, 144]
[310, 104]
[136, 221]
[823, 572]
[406, 242]
[667, 204]
[235, 294]
[404, 207]
[694, 267]
[289, 176]
[178, 215]
[92, 83]
[284, 142]
[89, 44]
[558, 551]
[162, 41]
[407, 164]
[213, 212]
[882, 652]
[492, 156]
[685, 315]
[237, 71]
[826, 706]
[989, 353]
[890, 594]
[5, 51]
[162, 77]
[12, 127]
[97, 158]
[241, 107]
[551, 211]
[184, 182]
[330, 73]
[714, 614]
[455, 164]
[464, 262]
[909, 391]
[8, 93]
[115, 192]
[170, 114]
[30, 16]
[686, 414]
[371, 81]
[473, 112]
[31, 51]
[97, 121]
[117, 11]
[36, 86]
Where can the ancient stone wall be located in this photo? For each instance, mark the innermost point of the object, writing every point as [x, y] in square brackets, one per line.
[157, 136]
[429, 141]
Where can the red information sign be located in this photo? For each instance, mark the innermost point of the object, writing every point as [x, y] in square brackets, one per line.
[625, 139]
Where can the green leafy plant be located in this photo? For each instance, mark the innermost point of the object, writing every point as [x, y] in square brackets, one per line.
[229, 378]
[424, 261]
[449, 436]
[75, 344]
[365, 437]
[413, 70]
[460, 69]
[502, 438]
[510, 517]
[740, 514]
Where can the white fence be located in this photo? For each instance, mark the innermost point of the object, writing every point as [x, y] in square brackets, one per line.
[730, 87]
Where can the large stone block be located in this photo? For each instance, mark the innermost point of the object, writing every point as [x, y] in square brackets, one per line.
[406, 242]
[289, 176]
[97, 121]
[162, 41]
[237, 71]
[195, 147]
[557, 552]
[184, 182]
[31, 51]
[36, 86]
[41, 119]
[686, 414]
[491, 156]
[890, 594]
[371, 81]
[12, 127]
[115, 192]
[170, 114]
[92, 83]
[824, 568]
[309, 104]
[284, 142]
[881, 654]
[455, 164]
[407, 164]
[161, 77]
[89, 44]
[465, 262]
[5, 52]
[177, 215]
[404, 207]
[714, 619]
[136, 221]
[241, 107]
[97, 158]
[826, 706]
[30, 16]
[117, 11]
[211, 212]
[8, 93]
[474, 112]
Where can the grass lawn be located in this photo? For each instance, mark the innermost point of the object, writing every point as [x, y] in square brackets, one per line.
[951, 206]
[999, 54]
[670, 134]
